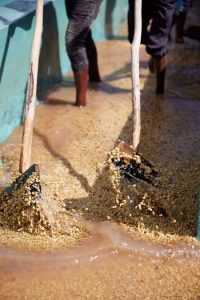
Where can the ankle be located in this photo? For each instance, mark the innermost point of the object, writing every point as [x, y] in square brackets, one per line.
[160, 67]
[151, 65]
[80, 101]
[81, 80]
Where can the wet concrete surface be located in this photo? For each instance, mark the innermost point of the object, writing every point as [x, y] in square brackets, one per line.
[71, 144]
[116, 270]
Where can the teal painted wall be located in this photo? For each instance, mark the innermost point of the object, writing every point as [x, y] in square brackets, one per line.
[14, 56]
[3, 2]
[15, 48]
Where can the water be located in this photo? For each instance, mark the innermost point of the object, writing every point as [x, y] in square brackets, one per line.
[108, 265]
[107, 240]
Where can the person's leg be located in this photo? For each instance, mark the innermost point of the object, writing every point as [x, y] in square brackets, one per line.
[147, 12]
[69, 6]
[81, 14]
[180, 22]
[182, 8]
[151, 65]
[160, 64]
[81, 80]
[158, 36]
[92, 59]
[130, 18]
[146, 16]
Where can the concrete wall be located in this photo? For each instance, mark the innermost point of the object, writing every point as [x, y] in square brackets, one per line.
[17, 19]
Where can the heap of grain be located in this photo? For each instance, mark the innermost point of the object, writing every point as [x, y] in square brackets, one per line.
[24, 208]
[21, 209]
[130, 194]
[115, 198]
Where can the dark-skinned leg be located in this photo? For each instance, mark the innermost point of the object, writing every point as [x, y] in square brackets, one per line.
[93, 69]
[180, 22]
[151, 65]
[81, 14]
[160, 64]
[158, 37]
[81, 80]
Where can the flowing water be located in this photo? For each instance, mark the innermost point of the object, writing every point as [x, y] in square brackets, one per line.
[108, 265]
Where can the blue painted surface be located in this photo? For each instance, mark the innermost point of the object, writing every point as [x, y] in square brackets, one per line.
[3, 2]
[17, 19]
[11, 11]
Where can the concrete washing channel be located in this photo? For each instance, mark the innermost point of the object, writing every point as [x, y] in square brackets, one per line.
[107, 251]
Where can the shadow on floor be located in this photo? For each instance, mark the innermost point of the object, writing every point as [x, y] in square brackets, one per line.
[83, 181]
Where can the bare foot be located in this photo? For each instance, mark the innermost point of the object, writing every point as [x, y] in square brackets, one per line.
[80, 104]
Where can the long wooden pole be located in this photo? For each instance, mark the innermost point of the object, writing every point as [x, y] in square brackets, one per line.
[135, 73]
[25, 156]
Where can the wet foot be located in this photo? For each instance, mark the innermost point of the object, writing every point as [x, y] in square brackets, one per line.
[80, 103]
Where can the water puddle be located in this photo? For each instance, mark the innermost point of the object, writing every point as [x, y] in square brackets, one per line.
[107, 241]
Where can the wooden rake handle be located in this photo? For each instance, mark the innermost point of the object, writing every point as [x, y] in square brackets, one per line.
[135, 73]
[25, 156]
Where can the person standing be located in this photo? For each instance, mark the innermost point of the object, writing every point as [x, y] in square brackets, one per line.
[157, 18]
[80, 45]
[182, 8]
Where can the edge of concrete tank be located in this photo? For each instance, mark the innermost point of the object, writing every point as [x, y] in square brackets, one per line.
[17, 19]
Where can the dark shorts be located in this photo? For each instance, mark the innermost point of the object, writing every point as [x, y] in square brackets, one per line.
[156, 37]
[81, 13]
